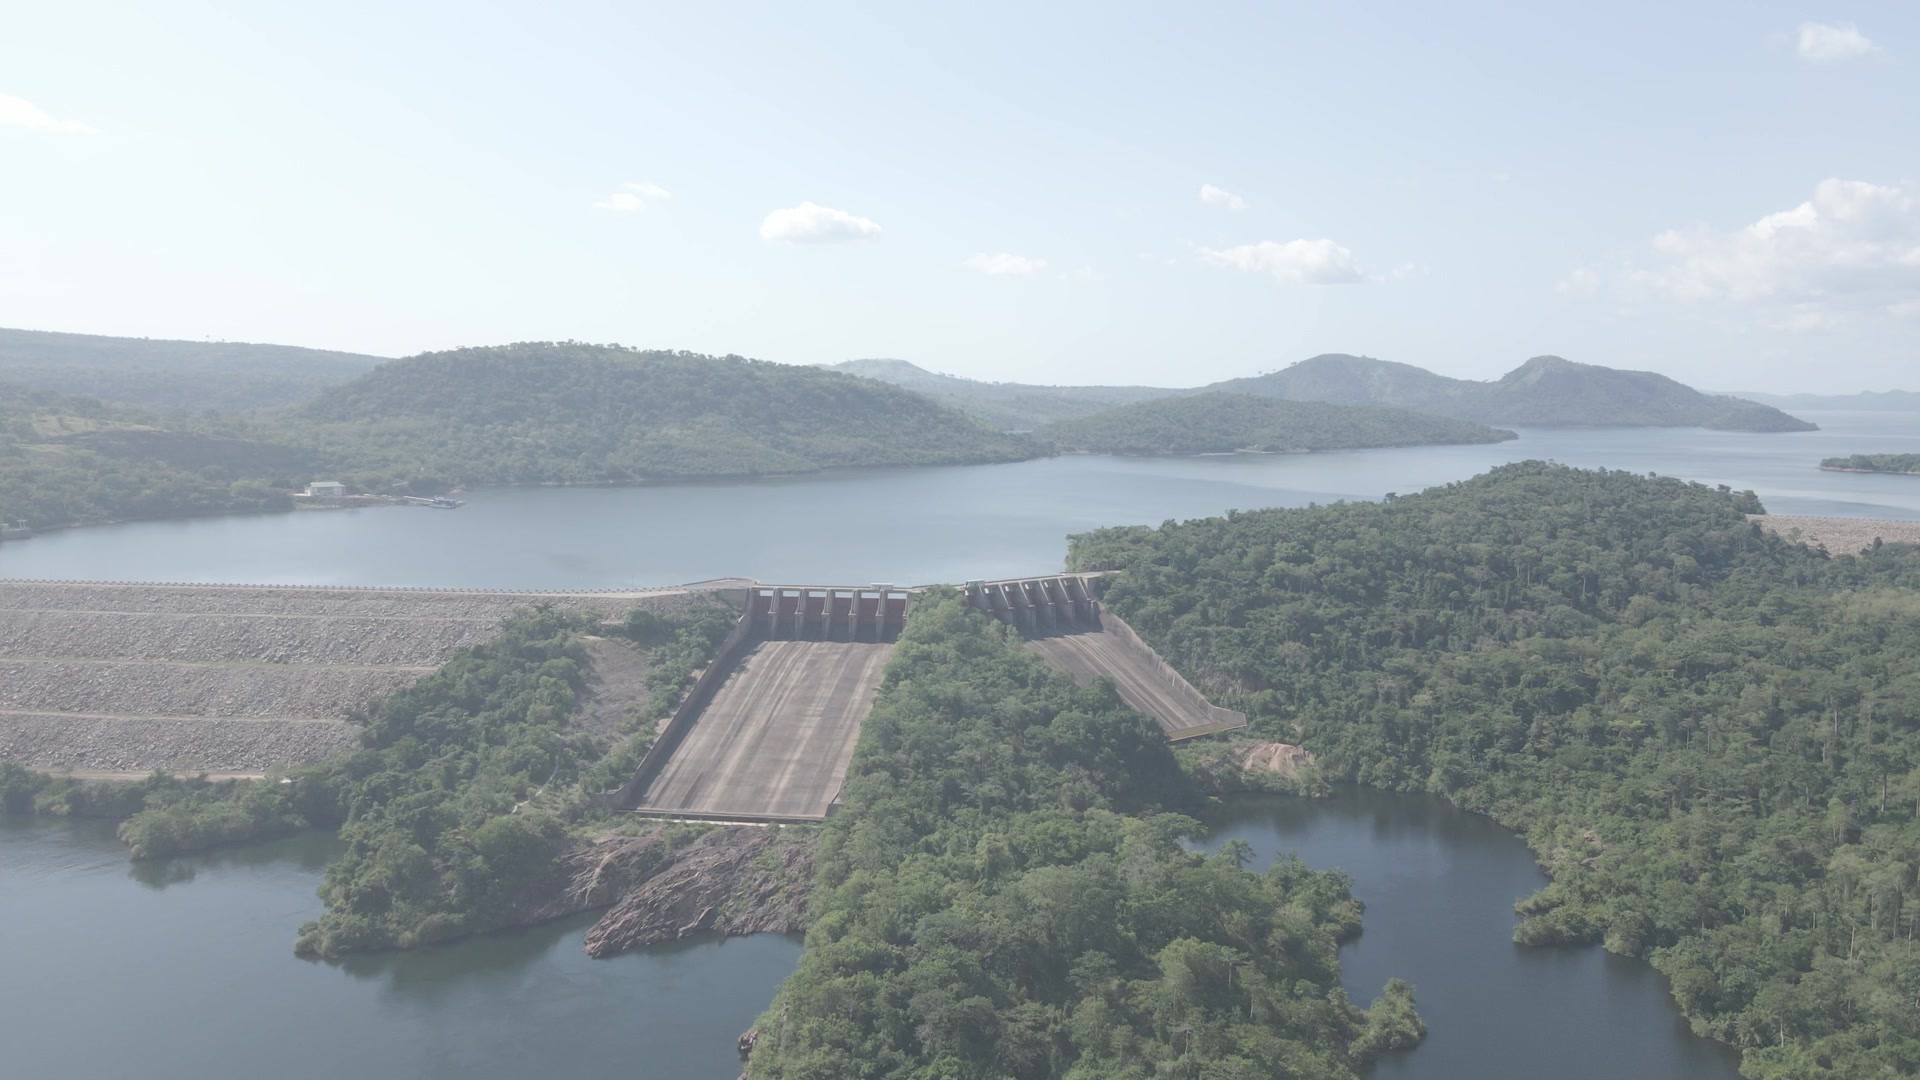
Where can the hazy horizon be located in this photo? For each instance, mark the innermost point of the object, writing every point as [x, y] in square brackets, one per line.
[1727, 194]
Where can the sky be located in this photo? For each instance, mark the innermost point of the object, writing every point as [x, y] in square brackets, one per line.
[1728, 193]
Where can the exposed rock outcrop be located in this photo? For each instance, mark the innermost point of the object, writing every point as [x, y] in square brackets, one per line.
[1283, 760]
[733, 880]
[741, 879]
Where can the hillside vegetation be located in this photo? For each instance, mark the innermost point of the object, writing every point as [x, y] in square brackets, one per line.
[576, 413]
[1546, 391]
[73, 461]
[1887, 463]
[1221, 423]
[1002, 406]
[1709, 734]
[1003, 896]
[228, 376]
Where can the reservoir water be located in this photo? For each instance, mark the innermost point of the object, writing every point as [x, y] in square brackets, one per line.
[912, 526]
[185, 968]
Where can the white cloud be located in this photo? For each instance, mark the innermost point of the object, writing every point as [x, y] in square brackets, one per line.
[1905, 309]
[1854, 247]
[1296, 262]
[1213, 196]
[19, 112]
[1583, 281]
[632, 197]
[811, 223]
[1005, 264]
[1819, 43]
[1802, 322]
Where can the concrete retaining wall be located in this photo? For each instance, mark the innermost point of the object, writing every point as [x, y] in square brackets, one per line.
[675, 728]
[1219, 719]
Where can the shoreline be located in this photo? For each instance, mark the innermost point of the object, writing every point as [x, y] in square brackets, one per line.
[1840, 536]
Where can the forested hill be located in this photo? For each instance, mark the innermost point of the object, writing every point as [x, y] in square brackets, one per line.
[1546, 391]
[1004, 406]
[1221, 423]
[159, 374]
[1887, 463]
[1709, 734]
[575, 413]
[66, 461]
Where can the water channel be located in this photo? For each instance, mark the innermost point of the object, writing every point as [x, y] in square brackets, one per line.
[185, 968]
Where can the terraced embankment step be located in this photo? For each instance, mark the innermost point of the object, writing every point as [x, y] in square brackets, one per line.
[100, 677]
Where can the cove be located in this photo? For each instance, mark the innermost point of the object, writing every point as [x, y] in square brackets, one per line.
[184, 968]
[1439, 885]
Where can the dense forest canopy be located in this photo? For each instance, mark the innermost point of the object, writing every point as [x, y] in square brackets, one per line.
[159, 374]
[1004, 896]
[568, 412]
[1546, 391]
[1222, 423]
[1889, 463]
[1710, 734]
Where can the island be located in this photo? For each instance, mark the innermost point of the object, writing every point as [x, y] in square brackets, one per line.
[1908, 464]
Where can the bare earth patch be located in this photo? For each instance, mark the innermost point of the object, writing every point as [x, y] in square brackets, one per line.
[616, 687]
[1839, 536]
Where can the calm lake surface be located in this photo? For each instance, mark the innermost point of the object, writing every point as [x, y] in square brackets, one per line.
[1439, 885]
[186, 968]
[913, 526]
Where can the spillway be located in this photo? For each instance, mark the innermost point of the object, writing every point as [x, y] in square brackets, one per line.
[774, 741]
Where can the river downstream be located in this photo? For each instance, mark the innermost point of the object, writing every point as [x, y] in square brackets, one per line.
[185, 969]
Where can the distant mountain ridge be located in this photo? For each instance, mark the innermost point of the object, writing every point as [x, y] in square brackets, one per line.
[156, 373]
[1546, 391]
[1007, 406]
[1865, 401]
[1221, 422]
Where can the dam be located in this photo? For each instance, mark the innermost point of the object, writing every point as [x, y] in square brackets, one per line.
[110, 679]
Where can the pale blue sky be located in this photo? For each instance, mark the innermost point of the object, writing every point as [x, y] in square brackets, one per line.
[1459, 186]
